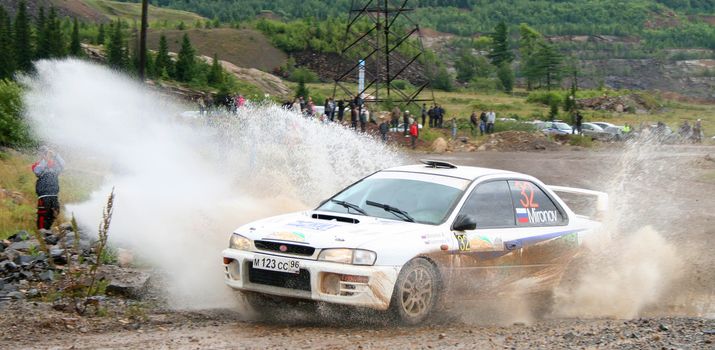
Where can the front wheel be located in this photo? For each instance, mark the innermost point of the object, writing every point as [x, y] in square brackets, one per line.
[416, 292]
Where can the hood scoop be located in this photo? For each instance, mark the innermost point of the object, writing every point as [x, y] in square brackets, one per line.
[335, 218]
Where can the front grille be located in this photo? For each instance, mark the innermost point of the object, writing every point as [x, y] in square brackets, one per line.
[290, 248]
[299, 281]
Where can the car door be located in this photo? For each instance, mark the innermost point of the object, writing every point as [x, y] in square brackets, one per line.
[542, 235]
[483, 261]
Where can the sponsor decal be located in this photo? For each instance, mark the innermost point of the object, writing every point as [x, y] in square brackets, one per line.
[317, 226]
[288, 236]
[534, 216]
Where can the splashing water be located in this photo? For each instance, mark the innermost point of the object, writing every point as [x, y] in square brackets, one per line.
[633, 270]
[183, 186]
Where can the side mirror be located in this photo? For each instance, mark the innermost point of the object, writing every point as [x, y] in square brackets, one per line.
[464, 222]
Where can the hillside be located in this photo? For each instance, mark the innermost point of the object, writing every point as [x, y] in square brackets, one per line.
[105, 10]
[242, 47]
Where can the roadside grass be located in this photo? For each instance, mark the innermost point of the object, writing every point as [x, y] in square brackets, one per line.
[18, 205]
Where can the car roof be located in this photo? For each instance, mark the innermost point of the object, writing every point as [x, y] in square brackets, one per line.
[464, 172]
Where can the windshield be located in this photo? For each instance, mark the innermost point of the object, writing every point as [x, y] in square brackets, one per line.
[427, 199]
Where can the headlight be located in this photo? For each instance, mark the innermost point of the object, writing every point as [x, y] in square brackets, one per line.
[239, 242]
[348, 256]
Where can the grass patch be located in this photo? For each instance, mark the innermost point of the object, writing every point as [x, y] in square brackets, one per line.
[581, 141]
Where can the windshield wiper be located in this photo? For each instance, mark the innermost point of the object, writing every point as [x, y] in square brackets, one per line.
[397, 212]
[349, 206]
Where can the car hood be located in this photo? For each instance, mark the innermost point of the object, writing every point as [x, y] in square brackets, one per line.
[305, 228]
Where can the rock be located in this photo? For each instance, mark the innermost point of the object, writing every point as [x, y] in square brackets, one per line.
[24, 245]
[663, 327]
[11, 254]
[8, 266]
[439, 145]
[26, 275]
[442, 336]
[58, 256]
[24, 260]
[129, 283]
[16, 295]
[47, 276]
[32, 293]
[9, 288]
[482, 148]
[569, 336]
[19, 236]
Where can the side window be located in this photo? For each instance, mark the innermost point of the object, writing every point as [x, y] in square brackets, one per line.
[532, 206]
[491, 204]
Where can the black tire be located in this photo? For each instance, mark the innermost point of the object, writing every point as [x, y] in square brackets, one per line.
[416, 292]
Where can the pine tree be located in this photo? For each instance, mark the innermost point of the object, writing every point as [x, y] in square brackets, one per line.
[549, 64]
[528, 41]
[162, 62]
[75, 46]
[7, 58]
[500, 51]
[506, 76]
[100, 34]
[23, 39]
[42, 43]
[185, 61]
[215, 76]
[115, 47]
[55, 35]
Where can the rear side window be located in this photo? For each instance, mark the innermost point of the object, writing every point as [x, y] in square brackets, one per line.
[490, 203]
[532, 206]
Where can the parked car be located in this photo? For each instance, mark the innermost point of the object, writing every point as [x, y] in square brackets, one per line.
[615, 131]
[555, 128]
[404, 239]
[595, 132]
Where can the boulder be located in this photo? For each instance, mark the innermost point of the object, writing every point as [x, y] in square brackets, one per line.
[24, 245]
[439, 145]
[130, 283]
[19, 236]
[8, 266]
[24, 260]
[47, 276]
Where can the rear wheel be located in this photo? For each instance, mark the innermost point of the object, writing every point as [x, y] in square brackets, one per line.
[416, 292]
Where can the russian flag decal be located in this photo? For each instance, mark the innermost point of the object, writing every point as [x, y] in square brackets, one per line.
[522, 215]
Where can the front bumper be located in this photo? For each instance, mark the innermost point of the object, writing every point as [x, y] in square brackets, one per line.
[328, 281]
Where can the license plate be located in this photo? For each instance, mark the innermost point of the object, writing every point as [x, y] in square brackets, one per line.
[273, 263]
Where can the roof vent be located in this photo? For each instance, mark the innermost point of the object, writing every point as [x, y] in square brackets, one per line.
[437, 164]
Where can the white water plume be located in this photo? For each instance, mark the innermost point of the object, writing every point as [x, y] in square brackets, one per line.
[183, 186]
[636, 265]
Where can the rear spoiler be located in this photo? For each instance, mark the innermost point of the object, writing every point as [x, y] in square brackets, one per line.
[601, 197]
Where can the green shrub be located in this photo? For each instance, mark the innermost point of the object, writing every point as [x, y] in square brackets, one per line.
[402, 84]
[578, 140]
[14, 131]
[500, 126]
[303, 74]
[547, 98]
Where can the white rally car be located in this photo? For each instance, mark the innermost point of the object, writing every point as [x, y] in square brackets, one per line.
[404, 237]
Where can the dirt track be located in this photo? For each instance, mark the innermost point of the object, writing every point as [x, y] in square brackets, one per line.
[681, 178]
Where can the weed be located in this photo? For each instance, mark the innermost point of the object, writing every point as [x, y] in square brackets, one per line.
[582, 141]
